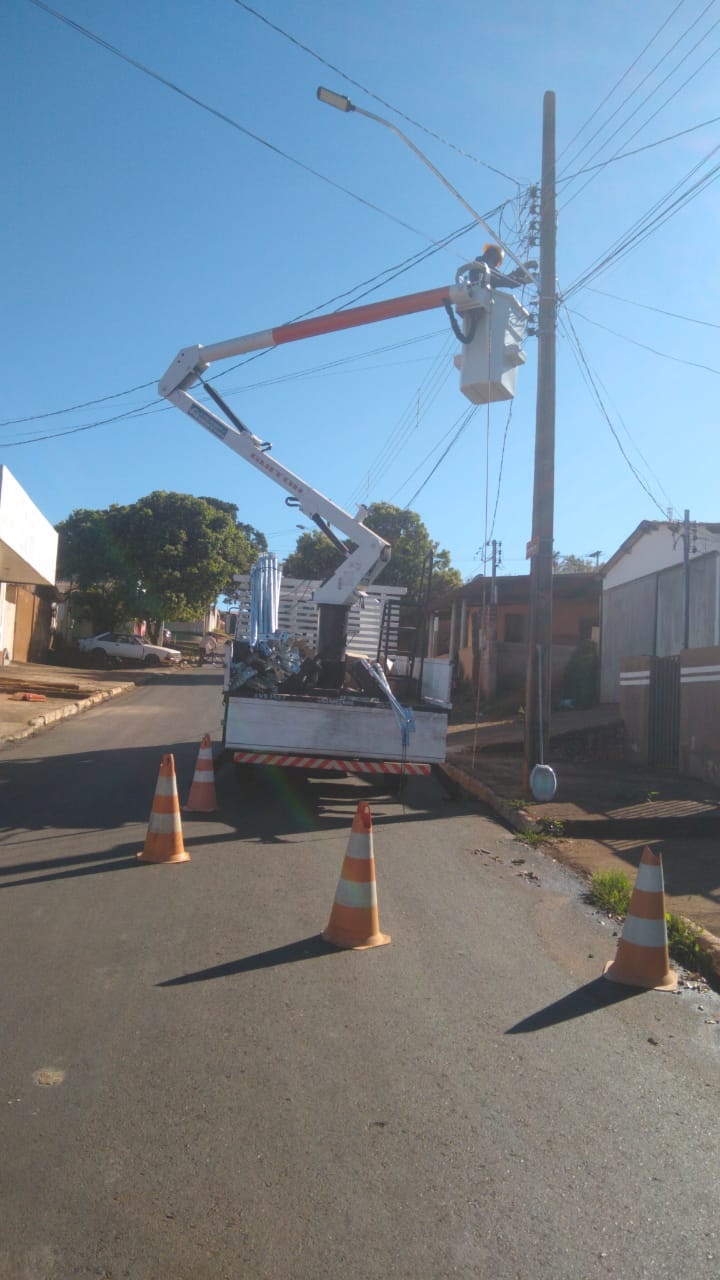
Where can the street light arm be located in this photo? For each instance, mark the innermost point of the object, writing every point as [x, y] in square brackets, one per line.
[341, 103]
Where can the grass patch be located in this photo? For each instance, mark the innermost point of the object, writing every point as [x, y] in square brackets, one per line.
[610, 891]
[684, 944]
[548, 829]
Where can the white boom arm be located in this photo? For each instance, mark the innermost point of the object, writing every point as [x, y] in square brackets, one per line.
[371, 552]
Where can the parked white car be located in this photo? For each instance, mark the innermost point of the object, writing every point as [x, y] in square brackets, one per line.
[118, 645]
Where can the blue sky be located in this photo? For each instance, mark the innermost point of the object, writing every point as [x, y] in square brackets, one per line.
[137, 221]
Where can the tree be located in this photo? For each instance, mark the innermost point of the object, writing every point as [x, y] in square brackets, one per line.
[573, 564]
[315, 556]
[168, 555]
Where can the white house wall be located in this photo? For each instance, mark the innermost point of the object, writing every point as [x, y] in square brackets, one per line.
[28, 542]
[656, 550]
[645, 615]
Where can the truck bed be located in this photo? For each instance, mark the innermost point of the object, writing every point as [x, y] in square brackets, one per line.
[318, 726]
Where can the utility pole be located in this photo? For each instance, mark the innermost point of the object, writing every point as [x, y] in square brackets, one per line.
[496, 555]
[540, 548]
[685, 532]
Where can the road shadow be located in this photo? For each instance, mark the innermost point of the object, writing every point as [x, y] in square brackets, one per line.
[114, 788]
[83, 864]
[595, 995]
[305, 949]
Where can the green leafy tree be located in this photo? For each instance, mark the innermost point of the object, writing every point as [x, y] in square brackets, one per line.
[573, 564]
[168, 555]
[315, 556]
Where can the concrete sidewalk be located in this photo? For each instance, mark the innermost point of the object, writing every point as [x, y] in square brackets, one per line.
[35, 696]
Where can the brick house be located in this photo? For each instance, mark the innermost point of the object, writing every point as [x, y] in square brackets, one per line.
[483, 627]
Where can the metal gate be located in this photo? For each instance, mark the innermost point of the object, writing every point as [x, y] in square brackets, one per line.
[664, 713]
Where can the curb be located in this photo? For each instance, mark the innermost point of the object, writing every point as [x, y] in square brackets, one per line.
[63, 713]
[520, 821]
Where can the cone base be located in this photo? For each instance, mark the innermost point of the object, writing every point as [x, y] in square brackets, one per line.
[348, 943]
[668, 982]
[199, 808]
[184, 856]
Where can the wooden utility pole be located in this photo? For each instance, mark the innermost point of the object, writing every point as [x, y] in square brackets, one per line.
[540, 547]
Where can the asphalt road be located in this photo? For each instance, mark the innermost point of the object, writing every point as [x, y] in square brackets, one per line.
[193, 1085]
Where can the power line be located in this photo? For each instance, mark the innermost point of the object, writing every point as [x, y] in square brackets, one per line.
[636, 151]
[73, 408]
[664, 355]
[221, 115]
[356, 83]
[617, 84]
[375, 281]
[646, 77]
[646, 122]
[469, 415]
[579, 353]
[394, 446]
[500, 470]
[674, 315]
[655, 217]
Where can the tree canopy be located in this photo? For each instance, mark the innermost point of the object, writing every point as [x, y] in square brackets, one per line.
[316, 557]
[573, 564]
[168, 555]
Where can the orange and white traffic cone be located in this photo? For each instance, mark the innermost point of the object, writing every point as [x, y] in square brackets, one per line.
[164, 839]
[202, 798]
[642, 958]
[354, 917]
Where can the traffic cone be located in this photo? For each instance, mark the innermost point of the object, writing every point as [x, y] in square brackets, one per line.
[642, 958]
[354, 917]
[164, 839]
[202, 798]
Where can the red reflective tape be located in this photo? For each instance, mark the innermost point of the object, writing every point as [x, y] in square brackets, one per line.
[323, 763]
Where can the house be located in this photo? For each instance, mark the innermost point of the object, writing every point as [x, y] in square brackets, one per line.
[659, 584]
[660, 647]
[28, 553]
[483, 626]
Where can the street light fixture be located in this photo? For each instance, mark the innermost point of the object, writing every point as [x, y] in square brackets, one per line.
[341, 103]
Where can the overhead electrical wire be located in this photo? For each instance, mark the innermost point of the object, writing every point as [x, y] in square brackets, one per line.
[90, 35]
[639, 85]
[508, 420]
[408, 423]
[591, 382]
[636, 151]
[659, 213]
[221, 115]
[375, 281]
[646, 122]
[617, 84]
[664, 355]
[383, 102]
[674, 315]
[464, 424]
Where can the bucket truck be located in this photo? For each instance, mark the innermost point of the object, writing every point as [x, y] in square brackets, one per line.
[321, 723]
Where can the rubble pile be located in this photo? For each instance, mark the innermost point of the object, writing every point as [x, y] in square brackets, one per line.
[265, 666]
